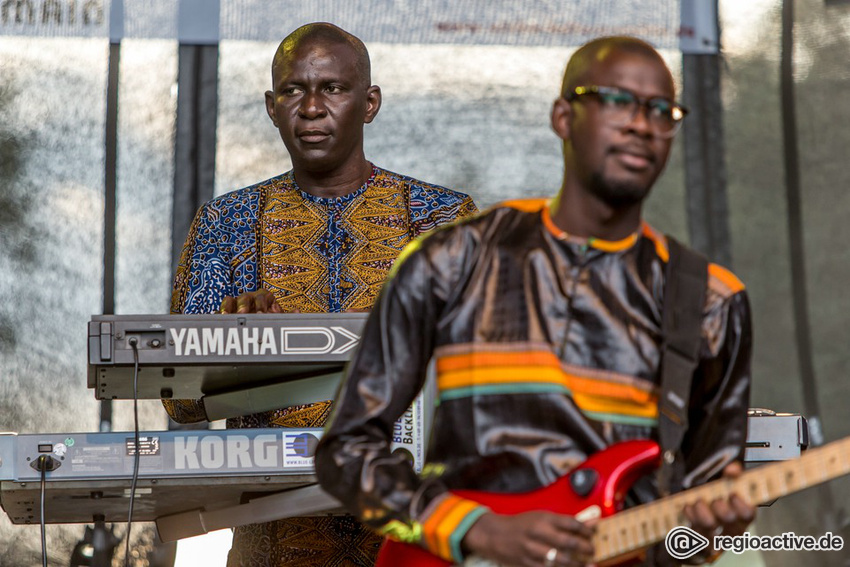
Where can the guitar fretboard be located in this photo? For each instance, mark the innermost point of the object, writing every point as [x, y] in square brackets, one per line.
[640, 527]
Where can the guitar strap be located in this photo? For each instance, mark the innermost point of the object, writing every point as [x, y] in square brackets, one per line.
[681, 331]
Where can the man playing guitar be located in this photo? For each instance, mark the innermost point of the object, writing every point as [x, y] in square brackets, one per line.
[544, 318]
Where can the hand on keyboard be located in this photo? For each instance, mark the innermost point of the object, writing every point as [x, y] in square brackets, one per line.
[261, 301]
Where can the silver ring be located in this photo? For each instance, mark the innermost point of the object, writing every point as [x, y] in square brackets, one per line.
[550, 557]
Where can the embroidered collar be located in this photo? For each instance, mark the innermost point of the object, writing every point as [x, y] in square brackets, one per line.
[341, 200]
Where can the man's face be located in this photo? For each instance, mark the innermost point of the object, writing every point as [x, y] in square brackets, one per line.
[320, 103]
[619, 163]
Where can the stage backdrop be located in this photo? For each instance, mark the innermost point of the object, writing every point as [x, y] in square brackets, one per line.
[467, 91]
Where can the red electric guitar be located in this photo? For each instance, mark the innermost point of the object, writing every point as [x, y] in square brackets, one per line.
[606, 476]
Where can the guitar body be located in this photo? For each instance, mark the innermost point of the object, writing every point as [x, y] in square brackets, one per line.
[609, 475]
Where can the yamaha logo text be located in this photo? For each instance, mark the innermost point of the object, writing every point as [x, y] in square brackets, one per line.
[259, 341]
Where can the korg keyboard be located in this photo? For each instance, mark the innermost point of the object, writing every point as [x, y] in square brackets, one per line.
[190, 482]
[89, 473]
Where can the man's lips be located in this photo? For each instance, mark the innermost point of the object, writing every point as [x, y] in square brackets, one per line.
[313, 136]
[633, 158]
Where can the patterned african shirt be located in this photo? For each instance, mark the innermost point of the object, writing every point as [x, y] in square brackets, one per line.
[315, 255]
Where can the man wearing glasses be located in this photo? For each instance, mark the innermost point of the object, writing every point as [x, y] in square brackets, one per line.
[545, 322]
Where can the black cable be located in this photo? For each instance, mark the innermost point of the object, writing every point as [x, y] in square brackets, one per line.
[42, 466]
[134, 344]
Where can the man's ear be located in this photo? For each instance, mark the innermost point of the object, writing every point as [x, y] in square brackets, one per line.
[373, 103]
[270, 107]
[561, 114]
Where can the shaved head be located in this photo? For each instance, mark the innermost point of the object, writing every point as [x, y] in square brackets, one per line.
[598, 50]
[324, 33]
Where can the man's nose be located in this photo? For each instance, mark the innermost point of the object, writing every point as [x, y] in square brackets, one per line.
[312, 105]
[640, 120]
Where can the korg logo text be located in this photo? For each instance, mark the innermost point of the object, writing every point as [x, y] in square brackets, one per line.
[234, 452]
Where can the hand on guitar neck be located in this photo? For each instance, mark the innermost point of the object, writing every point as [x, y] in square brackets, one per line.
[729, 516]
[527, 539]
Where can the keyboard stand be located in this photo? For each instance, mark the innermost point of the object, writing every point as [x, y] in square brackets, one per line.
[272, 396]
[303, 501]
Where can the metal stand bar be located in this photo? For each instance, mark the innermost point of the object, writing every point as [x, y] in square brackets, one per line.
[271, 397]
[297, 502]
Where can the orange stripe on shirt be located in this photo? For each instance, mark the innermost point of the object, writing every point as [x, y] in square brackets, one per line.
[525, 205]
[613, 245]
[540, 374]
[658, 239]
[598, 243]
[477, 359]
[499, 375]
[595, 387]
[434, 518]
[440, 524]
[590, 395]
[551, 226]
[463, 370]
[450, 523]
[720, 279]
[596, 404]
[624, 395]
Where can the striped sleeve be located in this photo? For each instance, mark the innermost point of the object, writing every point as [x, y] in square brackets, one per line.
[445, 522]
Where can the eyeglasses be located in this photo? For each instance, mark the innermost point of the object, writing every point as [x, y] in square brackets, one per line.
[619, 107]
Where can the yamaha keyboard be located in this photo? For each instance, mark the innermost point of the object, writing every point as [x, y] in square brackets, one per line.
[240, 364]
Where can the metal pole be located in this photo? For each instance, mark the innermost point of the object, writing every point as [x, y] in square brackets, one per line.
[109, 213]
[798, 261]
[103, 538]
[194, 144]
[705, 164]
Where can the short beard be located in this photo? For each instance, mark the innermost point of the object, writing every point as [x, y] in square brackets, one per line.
[617, 195]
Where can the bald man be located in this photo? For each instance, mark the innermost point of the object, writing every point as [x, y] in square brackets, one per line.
[545, 321]
[318, 238]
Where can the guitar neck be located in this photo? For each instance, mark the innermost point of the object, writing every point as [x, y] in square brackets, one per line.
[638, 528]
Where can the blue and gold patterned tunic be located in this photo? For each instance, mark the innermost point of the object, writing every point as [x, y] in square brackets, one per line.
[315, 255]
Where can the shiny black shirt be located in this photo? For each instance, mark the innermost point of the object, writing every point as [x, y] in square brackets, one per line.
[537, 337]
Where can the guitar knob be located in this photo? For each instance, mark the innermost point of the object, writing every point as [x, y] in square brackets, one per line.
[582, 481]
